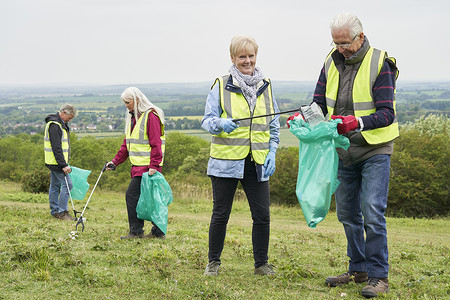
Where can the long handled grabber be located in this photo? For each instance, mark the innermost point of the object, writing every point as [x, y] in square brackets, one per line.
[311, 114]
[81, 219]
[70, 195]
[267, 115]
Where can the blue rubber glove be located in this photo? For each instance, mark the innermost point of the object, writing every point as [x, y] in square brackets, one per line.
[228, 125]
[269, 164]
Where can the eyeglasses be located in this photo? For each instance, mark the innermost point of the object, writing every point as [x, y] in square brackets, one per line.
[343, 46]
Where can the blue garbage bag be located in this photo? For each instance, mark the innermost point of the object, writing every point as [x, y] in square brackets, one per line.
[79, 181]
[317, 167]
[156, 195]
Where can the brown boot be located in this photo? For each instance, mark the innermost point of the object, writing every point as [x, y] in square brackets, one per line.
[358, 277]
[65, 216]
[375, 286]
[57, 215]
[68, 214]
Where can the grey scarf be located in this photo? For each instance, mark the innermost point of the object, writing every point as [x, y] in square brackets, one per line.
[247, 83]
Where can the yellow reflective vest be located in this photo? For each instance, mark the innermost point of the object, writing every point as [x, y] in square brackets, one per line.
[251, 135]
[363, 104]
[48, 152]
[139, 149]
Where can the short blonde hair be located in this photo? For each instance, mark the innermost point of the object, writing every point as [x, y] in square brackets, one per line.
[240, 43]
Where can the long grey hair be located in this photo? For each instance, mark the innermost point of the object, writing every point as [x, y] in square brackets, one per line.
[141, 105]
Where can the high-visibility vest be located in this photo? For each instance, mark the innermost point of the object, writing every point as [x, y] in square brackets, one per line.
[48, 152]
[251, 135]
[138, 146]
[363, 104]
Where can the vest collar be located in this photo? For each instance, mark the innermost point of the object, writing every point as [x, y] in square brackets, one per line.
[359, 55]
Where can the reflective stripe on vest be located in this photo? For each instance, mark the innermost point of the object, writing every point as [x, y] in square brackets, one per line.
[251, 135]
[139, 149]
[48, 152]
[363, 104]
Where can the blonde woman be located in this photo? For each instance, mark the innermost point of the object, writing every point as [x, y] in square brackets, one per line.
[241, 152]
[144, 146]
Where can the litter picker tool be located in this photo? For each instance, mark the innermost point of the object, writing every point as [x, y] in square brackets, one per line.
[312, 114]
[81, 219]
[71, 200]
[267, 115]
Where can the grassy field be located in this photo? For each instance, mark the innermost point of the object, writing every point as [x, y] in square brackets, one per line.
[42, 258]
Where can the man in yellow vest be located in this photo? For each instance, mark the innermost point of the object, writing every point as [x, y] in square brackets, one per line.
[57, 152]
[357, 86]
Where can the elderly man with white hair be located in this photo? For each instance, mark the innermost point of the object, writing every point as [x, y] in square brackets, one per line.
[57, 153]
[357, 86]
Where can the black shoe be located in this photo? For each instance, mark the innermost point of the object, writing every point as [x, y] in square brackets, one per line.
[153, 236]
[132, 236]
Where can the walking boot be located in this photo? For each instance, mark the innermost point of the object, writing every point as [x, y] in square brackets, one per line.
[57, 216]
[375, 286]
[212, 269]
[266, 269]
[132, 236]
[358, 277]
[68, 216]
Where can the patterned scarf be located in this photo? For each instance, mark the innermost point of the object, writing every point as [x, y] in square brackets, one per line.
[247, 83]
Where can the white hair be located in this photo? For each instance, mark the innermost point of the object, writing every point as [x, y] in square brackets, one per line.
[68, 109]
[347, 20]
[141, 104]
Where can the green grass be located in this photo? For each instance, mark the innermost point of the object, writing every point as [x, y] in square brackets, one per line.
[42, 259]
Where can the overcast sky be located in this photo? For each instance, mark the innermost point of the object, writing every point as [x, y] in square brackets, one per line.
[147, 41]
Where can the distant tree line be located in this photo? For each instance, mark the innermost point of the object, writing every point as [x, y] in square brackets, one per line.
[23, 118]
[419, 183]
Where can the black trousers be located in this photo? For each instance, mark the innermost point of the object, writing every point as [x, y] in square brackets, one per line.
[259, 201]
[132, 198]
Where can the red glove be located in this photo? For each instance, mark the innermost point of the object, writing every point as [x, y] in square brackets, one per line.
[349, 123]
[292, 118]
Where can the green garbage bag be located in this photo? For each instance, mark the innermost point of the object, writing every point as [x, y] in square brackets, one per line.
[156, 195]
[79, 181]
[317, 167]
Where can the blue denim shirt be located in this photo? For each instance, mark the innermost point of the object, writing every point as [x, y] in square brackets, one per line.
[211, 123]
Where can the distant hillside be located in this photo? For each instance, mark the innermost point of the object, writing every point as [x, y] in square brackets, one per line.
[188, 88]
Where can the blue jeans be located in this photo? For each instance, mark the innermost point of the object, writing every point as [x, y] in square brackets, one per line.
[58, 194]
[361, 201]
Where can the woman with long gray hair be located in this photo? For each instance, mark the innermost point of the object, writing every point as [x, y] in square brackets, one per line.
[144, 146]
